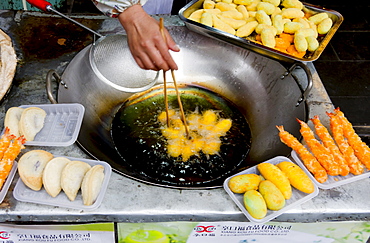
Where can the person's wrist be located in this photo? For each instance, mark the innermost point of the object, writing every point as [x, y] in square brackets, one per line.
[131, 14]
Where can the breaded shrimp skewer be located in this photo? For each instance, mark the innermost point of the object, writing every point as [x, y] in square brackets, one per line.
[11, 153]
[321, 153]
[362, 151]
[329, 143]
[308, 159]
[355, 166]
[5, 140]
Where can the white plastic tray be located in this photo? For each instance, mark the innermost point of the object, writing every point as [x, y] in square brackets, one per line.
[23, 193]
[8, 181]
[332, 181]
[62, 124]
[297, 198]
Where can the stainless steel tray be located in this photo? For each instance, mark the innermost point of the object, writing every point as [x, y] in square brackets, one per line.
[194, 5]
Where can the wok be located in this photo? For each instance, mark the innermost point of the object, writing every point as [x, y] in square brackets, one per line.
[264, 91]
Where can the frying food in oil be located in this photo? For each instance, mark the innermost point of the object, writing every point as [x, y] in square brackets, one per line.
[205, 131]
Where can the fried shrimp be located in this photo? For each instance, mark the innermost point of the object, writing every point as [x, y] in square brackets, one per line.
[355, 166]
[329, 143]
[322, 154]
[308, 159]
[5, 140]
[10, 155]
[362, 151]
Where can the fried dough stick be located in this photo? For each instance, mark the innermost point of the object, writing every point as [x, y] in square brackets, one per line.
[329, 143]
[355, 166]
[362, 151]
[308, 159]
[321, 153]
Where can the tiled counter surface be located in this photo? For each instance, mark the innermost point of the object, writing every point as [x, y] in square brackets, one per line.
[127, 200]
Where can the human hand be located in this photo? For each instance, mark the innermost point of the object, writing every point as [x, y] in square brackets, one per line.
[147, 45]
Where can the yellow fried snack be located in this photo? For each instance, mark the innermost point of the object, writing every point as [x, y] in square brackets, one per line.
[292, 13]
[275, 175]
[243, 10]
[312, 43]
[263, 18]
[235, 23]
[300, 43]
[292, 27]
[243, 183]
[209, 4]
[206, 19]
[267, 7]
[262, 27]
[233, 14]
[273, 2]
[324, 26]
[196, 15]
[246, 29]
[219, 24]
[305, 32]
[317, 18]
[277, 22]
[292, 4]
[273, 197]
[255, 204]
[253, 5]
[297, 177]
[243, 2]
[268, 38]
[224, 6]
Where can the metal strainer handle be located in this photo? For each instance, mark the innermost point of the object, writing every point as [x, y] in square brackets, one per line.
[47, 7]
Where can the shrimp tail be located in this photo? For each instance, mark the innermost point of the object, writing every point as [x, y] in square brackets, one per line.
[307, 158]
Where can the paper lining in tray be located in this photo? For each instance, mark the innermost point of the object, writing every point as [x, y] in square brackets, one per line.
[23, 193]
[332, 181]
[297, 198]
[62, 124]
[8, 182]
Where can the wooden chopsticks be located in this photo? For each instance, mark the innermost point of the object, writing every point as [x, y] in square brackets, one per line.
[161, 26]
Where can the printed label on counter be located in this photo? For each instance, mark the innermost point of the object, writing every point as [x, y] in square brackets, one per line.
[92, 233]
[243, 232]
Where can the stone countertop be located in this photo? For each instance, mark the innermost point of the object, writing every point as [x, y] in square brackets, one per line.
[127, 200]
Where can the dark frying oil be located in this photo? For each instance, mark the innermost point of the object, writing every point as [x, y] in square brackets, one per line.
[139, 141]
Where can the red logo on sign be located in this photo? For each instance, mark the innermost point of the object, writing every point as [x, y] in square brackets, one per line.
[4, 235]
[207, 229]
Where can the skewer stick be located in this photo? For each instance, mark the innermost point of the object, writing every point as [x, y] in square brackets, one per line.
[164, 78]
[166, 99]
[161, 26]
